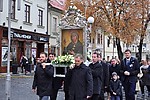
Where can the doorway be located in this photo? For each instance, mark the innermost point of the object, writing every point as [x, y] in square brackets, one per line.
[20, 50]
[40, 48]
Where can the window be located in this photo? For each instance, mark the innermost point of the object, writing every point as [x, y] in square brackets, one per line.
[93, 40]
[40, 17]
[108, 42]
[53, 49]
[114, 43]
[13, 9]
[1, 5]
[27, 13]
[54, 24]
[101, 40]
[98, 38]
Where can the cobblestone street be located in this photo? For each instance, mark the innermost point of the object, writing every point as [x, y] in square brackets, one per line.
[21, 89]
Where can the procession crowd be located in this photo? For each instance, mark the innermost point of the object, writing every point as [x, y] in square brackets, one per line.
[89, 81]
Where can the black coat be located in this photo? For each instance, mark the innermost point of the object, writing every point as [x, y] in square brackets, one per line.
[133, 68]
[115, 86]
[57, 81]
[80, 82]
[146, 76]
[105, 74]
[43, 80]
[97, 73]
[115, 68]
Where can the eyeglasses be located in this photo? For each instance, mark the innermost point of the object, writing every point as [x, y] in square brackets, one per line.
[51, 56]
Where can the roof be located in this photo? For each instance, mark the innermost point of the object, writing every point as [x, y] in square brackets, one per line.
[59, 4]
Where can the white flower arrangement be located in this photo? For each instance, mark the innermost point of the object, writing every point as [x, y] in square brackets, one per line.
[64, 60]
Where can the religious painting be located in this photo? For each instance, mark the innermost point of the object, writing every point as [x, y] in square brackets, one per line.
[72, 41]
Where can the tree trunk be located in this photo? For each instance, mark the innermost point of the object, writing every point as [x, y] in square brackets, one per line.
[119, 49]
[139, 55]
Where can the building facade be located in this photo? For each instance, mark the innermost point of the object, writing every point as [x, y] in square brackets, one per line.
[29, 34]
[55, 11]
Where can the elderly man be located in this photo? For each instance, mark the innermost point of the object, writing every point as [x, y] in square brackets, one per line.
[80, 81]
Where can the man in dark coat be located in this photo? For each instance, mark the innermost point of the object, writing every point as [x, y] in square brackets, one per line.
[129, 70]
[80, 80]
[97, 73]
[105, 79]
[57, 81]
[43, 78]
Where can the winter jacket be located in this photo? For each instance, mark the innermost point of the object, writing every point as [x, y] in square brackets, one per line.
[97, 73]
[115, 86]
[80, 82]
[43, 80]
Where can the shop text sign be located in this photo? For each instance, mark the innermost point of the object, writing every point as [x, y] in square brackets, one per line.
[22, 36]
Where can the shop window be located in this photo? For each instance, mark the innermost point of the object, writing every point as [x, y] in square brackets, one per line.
[4, 56]
[14, 56]
[28, 50]
[53, 49]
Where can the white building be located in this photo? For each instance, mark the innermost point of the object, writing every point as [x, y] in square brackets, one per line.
[55, 11]
[28, 29]
[106, 45]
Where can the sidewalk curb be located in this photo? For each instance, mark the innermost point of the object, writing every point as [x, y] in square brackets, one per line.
[3, 75]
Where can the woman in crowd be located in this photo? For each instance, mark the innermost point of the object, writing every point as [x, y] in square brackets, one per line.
[144, 76]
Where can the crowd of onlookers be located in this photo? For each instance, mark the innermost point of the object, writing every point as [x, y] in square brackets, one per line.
[90, 80]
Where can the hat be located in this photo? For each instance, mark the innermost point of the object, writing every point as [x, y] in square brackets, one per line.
[114, 73]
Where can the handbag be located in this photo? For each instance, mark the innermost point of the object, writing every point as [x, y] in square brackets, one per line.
[138, 85]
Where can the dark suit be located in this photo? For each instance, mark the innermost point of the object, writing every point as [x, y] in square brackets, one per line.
[97, 73]
[80, 83]
[129, 82]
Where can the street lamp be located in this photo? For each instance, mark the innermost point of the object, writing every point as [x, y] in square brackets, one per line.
[8, 77]
[90, 20]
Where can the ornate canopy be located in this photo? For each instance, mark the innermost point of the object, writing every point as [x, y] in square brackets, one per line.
[72, 19]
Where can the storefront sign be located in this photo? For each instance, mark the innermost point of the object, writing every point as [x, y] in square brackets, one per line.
[22, 36]
[35, 37]
[40, 38]
[43, 39]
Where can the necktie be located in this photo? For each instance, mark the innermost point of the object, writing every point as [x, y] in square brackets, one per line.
[127, 62]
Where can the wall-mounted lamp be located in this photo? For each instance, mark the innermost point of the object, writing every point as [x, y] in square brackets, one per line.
[4, 24]
[20, 27]
[34, 30]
